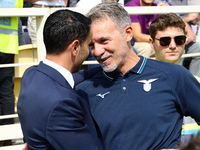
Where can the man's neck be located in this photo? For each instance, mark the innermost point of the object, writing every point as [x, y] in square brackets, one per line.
[173, 62]
[131, 60]
[60, 60]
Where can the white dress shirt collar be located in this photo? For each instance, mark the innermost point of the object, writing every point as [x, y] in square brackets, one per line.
[66, 74]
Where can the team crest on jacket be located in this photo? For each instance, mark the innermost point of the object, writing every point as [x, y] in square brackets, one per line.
[147, 84]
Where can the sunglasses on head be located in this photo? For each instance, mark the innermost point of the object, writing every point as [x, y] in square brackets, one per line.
[165, 41]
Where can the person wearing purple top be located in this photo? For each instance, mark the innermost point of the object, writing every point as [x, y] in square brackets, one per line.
[144, 20]
[140, 24]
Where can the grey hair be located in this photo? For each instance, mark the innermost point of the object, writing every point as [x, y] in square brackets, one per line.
[115, 11]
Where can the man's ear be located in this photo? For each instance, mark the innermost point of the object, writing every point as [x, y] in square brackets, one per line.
[151, 41]
[75, 47]
[128, 33]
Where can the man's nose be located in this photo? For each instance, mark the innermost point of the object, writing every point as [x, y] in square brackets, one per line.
[172, 44]
[98, 50]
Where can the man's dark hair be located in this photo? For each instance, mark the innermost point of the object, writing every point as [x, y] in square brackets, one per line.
[166, 20]
[62, 27]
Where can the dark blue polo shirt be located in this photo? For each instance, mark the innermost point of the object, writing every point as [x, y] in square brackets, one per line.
[142, 110]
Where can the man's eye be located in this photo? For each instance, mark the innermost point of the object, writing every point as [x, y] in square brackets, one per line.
[104, 41]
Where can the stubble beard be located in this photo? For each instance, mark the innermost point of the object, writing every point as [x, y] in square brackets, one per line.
[81, 58]
[121, 56]
[110, 69]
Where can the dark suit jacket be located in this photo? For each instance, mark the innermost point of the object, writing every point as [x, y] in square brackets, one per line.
[52, 115]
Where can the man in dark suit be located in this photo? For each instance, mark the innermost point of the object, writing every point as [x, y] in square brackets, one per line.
[51, 113]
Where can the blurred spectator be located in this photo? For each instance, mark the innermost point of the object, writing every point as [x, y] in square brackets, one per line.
[87, 3]
[193, 144]
[8, 48]
[72, 3]
[193, 2]
[41, 4]
[21, 39]
[140, 24]
[191, 63]
[90, 4]
[126, 1]
[24, 21]
[166, 2]
[195, 27]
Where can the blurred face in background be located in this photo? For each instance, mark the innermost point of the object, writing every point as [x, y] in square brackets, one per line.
[146, 2]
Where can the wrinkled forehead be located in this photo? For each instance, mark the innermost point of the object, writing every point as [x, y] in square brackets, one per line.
[103, 29]
[102, 23]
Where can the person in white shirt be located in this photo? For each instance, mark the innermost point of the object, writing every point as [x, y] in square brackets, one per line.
[32, 19]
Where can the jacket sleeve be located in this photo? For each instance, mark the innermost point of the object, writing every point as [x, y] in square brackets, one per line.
[84, 75]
